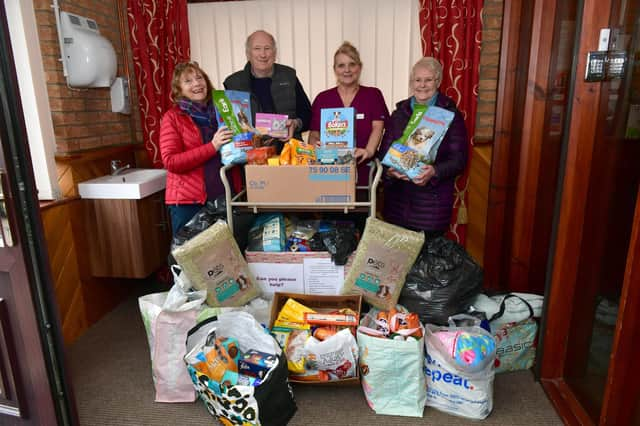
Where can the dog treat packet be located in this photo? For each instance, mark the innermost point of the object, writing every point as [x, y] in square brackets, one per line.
[384, 256]
[302, 152]
[233, 109]
[420, 140]
[212, 261]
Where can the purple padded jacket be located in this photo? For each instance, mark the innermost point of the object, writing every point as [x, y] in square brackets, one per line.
[426, 208]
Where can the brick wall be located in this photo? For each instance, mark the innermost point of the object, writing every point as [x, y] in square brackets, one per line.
[489, 61]
[82, 118]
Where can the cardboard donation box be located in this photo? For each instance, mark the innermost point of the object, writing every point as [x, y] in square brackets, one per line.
[319, 304]
[301, 184]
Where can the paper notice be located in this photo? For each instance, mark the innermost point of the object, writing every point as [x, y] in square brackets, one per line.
[322, 276]
[282, 277]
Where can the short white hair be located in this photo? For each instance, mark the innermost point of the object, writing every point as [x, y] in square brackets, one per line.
[430, 63]
[247, 45]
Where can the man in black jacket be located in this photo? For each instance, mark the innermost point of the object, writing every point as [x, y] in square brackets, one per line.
[274, 88]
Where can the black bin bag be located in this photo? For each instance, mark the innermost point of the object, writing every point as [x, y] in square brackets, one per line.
[443, 282]
[209, 214]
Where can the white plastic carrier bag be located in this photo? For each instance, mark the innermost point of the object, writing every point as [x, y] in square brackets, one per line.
[459, 368]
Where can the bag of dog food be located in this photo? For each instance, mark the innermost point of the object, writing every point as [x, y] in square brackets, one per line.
[420, 140]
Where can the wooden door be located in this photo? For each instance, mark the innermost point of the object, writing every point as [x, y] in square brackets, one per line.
[593, 295]
[33, 387]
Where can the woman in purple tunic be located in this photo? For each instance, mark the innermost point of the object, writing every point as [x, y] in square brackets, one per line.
[371, 111]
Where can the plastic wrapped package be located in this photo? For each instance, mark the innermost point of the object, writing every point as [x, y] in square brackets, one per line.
[444, 281]
[340, 241]
[383, 258]
[267, 233]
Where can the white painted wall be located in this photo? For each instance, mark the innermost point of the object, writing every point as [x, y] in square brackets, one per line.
[308, 32]
[33, 94]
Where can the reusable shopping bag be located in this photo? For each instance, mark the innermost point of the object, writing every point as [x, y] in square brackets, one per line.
[167, 317]
[459, 367]
[391, 372]
[516, 341]
[269, 403]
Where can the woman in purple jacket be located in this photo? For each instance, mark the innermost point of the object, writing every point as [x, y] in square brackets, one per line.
[426, 202]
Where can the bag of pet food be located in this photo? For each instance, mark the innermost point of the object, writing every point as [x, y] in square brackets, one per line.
[233, 109]
[420, 140]
[212, 261]
[383, 257]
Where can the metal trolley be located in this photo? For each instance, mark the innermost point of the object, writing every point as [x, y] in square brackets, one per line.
[365, 198]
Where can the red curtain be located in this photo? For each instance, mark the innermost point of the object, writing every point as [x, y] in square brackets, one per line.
[451, 32]
[159, 32]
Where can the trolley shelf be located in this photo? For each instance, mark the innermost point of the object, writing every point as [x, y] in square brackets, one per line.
[365, 198]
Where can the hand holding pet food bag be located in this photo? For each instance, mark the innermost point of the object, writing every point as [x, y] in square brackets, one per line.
[420, 140]
[233, 109]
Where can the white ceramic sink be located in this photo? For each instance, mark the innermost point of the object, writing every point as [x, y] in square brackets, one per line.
[130, 184]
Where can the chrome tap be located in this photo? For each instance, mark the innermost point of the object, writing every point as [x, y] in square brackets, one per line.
[117, 167]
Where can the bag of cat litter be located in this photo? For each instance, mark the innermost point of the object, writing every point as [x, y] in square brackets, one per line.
[212, 261]
[384, 255]
[233, 109]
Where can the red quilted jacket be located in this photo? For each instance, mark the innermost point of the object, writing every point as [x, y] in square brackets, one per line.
[183, 155]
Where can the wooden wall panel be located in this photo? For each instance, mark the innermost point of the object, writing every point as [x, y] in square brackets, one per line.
[506, 145]
[479, 172]
[64, 269]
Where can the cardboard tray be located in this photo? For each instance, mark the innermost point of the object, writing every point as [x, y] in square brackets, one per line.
[320, 303]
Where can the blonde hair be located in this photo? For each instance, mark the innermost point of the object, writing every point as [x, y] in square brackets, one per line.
[430, 63]
[179, 71]
[348, 49]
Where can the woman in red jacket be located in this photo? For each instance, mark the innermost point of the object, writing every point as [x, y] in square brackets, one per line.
[189, 143]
